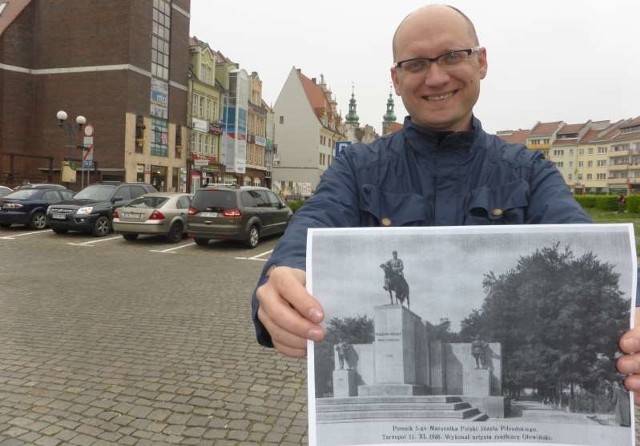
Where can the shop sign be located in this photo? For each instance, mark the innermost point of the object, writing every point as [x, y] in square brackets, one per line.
[200, 125]
[215, 129]
[261, 141]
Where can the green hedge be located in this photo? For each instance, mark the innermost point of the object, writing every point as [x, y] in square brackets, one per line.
[295, 204]
[606, 202]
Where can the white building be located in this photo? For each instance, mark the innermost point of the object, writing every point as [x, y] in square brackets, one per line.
[307, 128]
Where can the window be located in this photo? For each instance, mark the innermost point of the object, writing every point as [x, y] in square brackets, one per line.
[159, 139]
[560, 164]
[580, 163]
[602, 149]
[281, 119]
[589, 163]
[558, 153]
[160, 39]
[589, 176]
[590, 151]
[602, 163]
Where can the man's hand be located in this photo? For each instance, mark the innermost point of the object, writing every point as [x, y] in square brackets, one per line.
[288, 312]
[629, 364]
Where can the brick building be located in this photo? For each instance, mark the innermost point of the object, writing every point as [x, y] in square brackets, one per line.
[122, 64]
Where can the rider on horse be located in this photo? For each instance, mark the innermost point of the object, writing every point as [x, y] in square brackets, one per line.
[396, 266]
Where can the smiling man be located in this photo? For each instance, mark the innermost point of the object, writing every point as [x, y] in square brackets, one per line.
[438, 67]
[441, 169]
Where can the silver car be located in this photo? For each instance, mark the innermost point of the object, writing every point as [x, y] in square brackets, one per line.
[157, 213]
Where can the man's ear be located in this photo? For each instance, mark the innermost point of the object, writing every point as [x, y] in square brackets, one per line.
[394, 79]
[482, 58]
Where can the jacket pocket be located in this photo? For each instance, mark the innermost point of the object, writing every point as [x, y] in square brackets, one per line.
[383, 208]
[500, 205]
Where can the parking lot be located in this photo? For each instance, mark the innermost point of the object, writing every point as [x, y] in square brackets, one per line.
[105, 341]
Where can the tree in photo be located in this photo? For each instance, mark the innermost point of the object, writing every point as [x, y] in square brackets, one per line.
[350, 330]
[558, 319]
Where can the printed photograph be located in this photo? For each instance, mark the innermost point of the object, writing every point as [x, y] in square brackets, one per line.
[504, 335]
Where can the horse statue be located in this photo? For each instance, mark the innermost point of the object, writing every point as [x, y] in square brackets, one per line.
[395, 283]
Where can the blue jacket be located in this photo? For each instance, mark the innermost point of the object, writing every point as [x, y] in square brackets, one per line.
[417, 177]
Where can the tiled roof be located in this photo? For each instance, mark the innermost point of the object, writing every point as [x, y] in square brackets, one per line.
[589, 136]
[545, 128]
[570, 128]
[12, 10]
[315, 94]
[394, 127]
[514, 136]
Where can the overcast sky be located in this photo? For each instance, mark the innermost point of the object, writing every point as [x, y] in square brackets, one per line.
[549, 60]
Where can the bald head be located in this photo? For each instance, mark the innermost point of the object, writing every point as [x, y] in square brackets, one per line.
[433, 10]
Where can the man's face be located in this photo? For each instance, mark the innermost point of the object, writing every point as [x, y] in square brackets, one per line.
[440, 98]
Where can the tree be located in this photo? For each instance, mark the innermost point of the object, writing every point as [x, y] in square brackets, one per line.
[352, 330]
[556, 317]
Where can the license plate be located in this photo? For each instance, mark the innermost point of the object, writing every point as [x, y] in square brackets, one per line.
[59, 216]
[131, 216]
[208, 214]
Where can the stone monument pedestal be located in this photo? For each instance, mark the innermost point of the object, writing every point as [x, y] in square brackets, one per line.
[344, 383]
[476, 382]
[392, 390]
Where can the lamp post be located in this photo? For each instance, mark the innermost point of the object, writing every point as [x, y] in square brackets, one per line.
[70, 129]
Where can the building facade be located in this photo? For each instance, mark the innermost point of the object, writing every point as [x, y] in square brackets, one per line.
[123, 65]
[307, 127]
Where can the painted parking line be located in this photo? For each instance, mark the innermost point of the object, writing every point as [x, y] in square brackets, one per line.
[13, 237]
[172, 250]
[262, 257]
[93, 242]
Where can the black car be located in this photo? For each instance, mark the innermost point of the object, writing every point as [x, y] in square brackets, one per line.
[243, 214]
[28, 206]
[91, 209]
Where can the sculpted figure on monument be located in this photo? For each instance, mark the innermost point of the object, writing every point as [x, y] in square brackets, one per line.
[479, 351]
[342, 348]
[394, 281]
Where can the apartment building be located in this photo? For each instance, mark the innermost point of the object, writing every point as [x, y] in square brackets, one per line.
[122, 65]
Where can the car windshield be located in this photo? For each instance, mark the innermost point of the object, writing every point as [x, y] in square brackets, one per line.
[148, 202]
[215, 200]
[98, 192]
[22, 194]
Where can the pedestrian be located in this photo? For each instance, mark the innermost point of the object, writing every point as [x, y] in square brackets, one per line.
[621, 203]
[440, 169]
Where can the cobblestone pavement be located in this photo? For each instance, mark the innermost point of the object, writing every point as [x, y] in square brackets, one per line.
[107, 342]
[112, 343]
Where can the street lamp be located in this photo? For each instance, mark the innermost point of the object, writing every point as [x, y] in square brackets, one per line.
[71, 129]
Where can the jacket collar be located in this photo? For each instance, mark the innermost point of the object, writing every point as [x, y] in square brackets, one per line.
[441, 141]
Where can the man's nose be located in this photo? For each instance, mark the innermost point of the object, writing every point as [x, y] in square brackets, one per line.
[436, 75]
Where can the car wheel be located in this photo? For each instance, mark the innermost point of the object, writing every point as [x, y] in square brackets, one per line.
[130, 237]
[253, 239]
[102, 226]
[38, 220]
[175, 232]
[5, 225]
[201, 241]
[59, 230]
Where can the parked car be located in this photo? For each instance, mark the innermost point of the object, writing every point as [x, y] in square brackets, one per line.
[41, 186]
[90, 210]
[245, 214]
[28, 206]
[158, 213]
[4, 190]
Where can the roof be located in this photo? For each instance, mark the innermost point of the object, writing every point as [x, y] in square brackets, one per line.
[394, 127]
[570, 128]
[545, 128]
[12, 10]
[321, 102]
[514, 136]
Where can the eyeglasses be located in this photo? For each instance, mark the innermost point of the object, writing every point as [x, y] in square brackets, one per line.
[446, 60]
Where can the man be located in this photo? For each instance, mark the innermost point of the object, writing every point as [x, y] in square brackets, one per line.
[440, 169]
[478, 350]
[396, 266]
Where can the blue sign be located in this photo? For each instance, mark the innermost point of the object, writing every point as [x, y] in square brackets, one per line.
[87, 164]
[340, 146]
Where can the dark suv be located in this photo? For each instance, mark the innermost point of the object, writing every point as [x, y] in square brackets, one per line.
[90, 209]
[245, 214]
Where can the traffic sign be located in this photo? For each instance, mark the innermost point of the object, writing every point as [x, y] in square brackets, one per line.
[87, 163]
[88, 130]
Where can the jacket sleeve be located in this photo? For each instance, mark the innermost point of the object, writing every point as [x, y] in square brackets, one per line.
[334, 204]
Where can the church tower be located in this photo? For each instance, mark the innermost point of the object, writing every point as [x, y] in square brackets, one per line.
[351, 120]
[389, 117]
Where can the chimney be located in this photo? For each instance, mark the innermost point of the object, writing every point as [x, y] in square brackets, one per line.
[313, 79]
